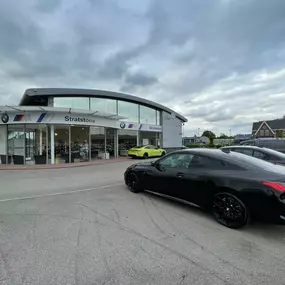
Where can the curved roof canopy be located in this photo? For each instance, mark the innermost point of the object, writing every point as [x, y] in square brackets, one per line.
[39, 97]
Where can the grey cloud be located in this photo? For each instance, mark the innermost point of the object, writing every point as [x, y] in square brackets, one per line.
[183, 52]
[140, 79]
[47, 6]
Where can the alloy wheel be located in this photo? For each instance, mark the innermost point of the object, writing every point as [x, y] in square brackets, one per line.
[230, 211]
[132, 183]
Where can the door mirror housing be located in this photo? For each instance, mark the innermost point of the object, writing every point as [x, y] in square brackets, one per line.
[153, 163]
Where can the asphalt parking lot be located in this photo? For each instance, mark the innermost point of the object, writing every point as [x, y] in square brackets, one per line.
[82, 226]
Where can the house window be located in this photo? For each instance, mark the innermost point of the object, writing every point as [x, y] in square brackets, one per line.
[266, 133]
[261, 133]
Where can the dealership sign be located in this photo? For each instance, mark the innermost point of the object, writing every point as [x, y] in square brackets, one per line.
[55, 118]
[139, 127]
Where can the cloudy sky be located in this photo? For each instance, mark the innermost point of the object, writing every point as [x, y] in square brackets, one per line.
[218, 62]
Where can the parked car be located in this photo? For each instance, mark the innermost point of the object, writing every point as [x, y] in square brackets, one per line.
[263, 153]
[146, 151]
[272, 143]
[233, 186]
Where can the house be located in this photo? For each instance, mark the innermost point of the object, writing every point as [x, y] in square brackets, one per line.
[241, 137]
[195, 140]
[269, 129]
[223, 142]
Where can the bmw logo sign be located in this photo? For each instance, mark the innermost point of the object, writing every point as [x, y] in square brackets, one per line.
[122, 125]
[5, 118]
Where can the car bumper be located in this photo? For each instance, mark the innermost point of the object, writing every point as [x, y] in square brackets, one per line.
[132, 155]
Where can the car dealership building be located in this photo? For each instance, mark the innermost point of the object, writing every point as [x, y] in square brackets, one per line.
[58, 125]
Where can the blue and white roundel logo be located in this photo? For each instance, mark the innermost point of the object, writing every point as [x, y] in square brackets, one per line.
[5, 118]
[122, 125]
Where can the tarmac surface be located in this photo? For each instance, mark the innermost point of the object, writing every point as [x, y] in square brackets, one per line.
[82, 226]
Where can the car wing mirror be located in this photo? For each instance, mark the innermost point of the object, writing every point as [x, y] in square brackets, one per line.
[153, 163]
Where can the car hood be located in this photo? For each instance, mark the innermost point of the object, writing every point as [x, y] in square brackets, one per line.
[140, 164]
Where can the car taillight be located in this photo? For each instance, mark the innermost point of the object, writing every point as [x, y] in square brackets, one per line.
[275, 185]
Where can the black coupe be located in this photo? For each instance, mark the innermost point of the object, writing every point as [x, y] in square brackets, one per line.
[233, 186]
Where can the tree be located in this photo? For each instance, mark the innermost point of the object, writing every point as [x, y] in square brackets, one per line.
[210, 135]
[223, 136]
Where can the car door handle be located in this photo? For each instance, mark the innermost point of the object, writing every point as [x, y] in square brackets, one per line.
[180, 175]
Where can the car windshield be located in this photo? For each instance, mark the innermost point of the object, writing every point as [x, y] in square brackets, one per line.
[254, 163]
[139, 146]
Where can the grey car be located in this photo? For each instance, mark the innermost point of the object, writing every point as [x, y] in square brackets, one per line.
[263, 153]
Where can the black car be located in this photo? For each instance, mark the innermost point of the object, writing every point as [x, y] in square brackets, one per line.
[263, 153]
[235, 187]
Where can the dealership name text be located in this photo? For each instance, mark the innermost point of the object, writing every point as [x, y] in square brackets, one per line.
[79, 119]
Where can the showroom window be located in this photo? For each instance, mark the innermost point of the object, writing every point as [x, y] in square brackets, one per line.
[128, 110]
[16, 144]
[76, 103]
[103, 105]
[147, 115]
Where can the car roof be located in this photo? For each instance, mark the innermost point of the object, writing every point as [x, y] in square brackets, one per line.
[248, 162]
[218, 153]
[242, 146]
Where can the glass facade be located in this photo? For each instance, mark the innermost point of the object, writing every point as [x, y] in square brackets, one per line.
[147, 115]
[61, 144]
[41, 144]
[132, 112]
[128, 110]
[79, 143]
[16, 144]
[103, 105]
[36, 144]
[97, 142]
[72, 102]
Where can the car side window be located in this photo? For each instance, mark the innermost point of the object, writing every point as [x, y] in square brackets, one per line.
[150, 147]
[244, 151]
[206, 162]
[177, 160]
[260, 155]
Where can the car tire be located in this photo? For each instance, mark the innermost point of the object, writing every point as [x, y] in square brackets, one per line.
[145, 156]
[132, 182]
[229, 210]
[163, 153]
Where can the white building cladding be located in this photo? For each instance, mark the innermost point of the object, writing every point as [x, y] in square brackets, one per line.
[64, 125]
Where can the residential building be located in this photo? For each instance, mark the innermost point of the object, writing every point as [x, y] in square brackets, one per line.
[269, 128]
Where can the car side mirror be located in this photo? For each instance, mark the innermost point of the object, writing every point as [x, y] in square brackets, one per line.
[153, 163]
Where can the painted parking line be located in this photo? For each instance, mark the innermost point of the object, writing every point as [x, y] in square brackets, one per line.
[62, 193]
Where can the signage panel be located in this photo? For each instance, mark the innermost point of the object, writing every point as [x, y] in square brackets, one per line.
[55, 118]
[138, 127]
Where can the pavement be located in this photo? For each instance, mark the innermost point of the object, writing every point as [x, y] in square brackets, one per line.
[82, 226]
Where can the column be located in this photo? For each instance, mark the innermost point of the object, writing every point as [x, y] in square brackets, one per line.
[90, 143]
[25, 145]
[116, 144]
[105, 142]
[69, 144]
[138, 138]
[41, 141]
[47, 145]
[52, 143]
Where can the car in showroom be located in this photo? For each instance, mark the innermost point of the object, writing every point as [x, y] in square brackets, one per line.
[263, 153]
[234, 187]
[146, 151]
